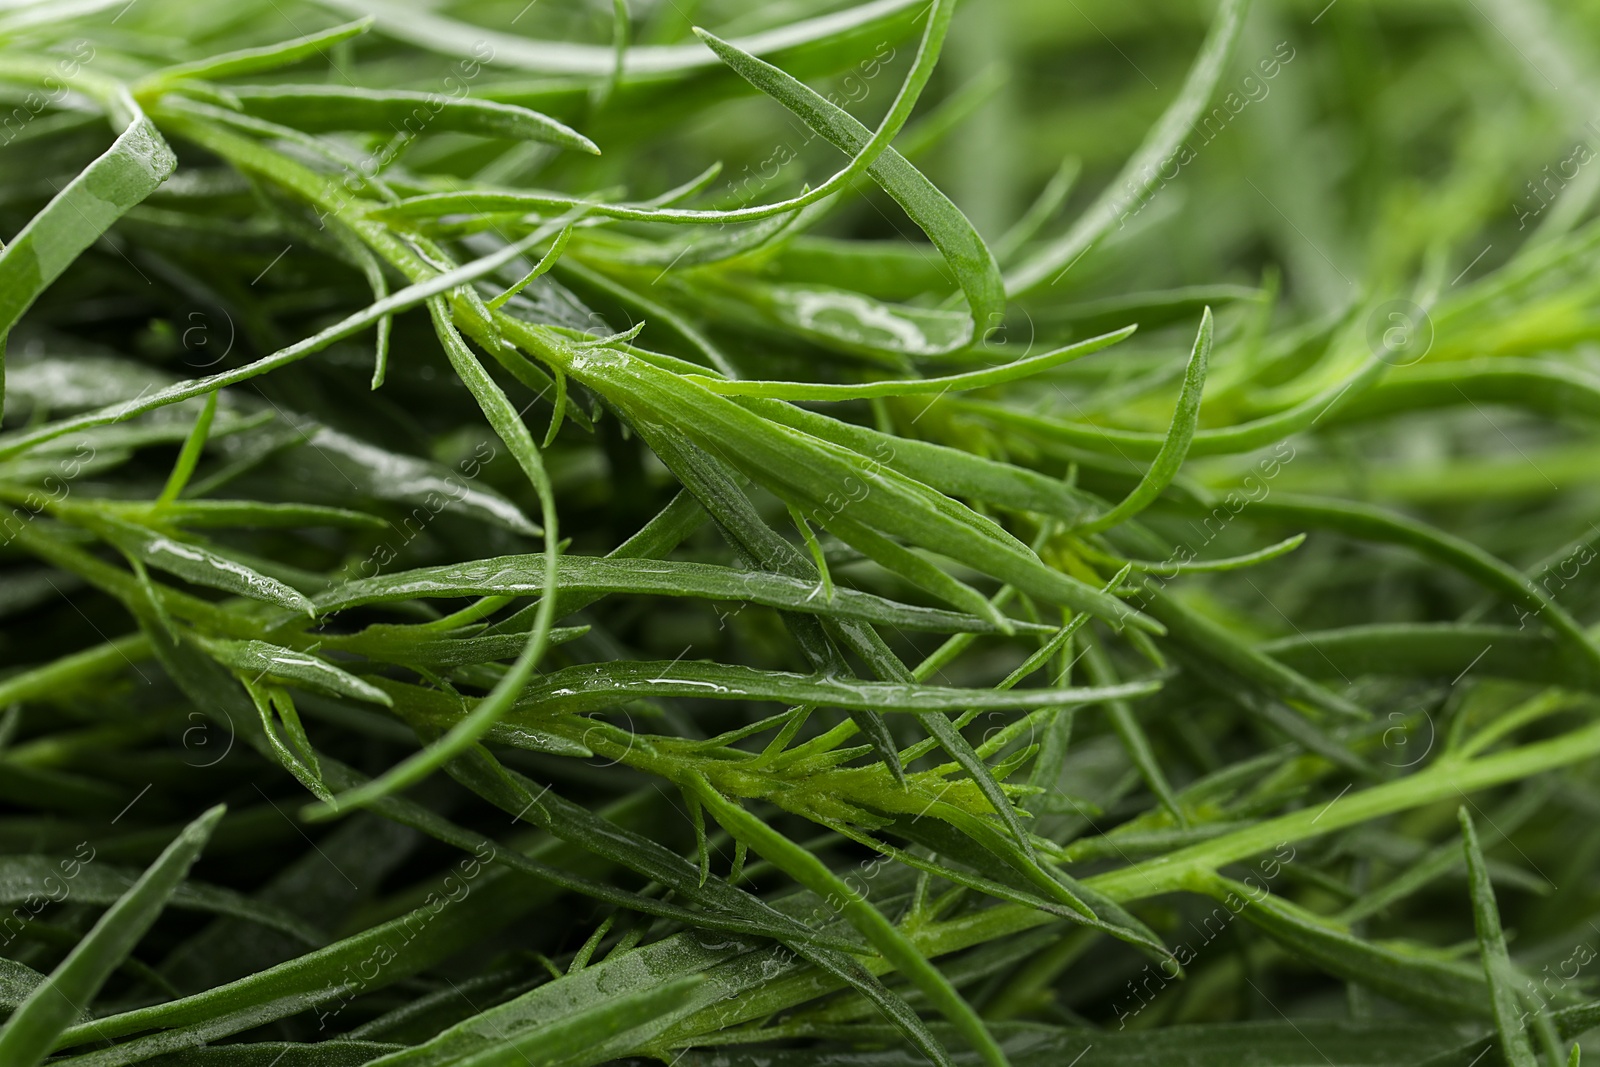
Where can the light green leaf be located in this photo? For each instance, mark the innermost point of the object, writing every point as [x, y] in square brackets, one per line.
[319, 108]
[982, 379]
[257, 659]
[1175, 449]
[256, 60]
[137, 162]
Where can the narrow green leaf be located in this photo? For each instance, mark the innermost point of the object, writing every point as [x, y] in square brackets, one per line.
[1545, 386]
[27, 1038]
[409, 297]
[721, 494]
[805, 103]
[587, 687]
[383, 474]
[203, 514]
[946, 469]
[1131, 734]
[981, 379]
[1173, 567]
[191, 561]
[842, 897]
[99, 882]
[277, 708]
[994, 888]
[137, 162]
[256, 60]
[734, 907]
[320, 108]
[569, 1040]
[190, 453]
[1175, 449]
[1373, 523]
[1436, 650]
[1217, 644]
[1265, 432]
[465, 732]
[915, 569]
[595, 576]
[256, 659]
[1402, 972]
[609, 839]
[882, 503]
[1126, 191]
[546, 261]
[1497, 967]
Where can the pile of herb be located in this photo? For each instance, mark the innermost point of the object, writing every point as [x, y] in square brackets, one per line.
[775, 534]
